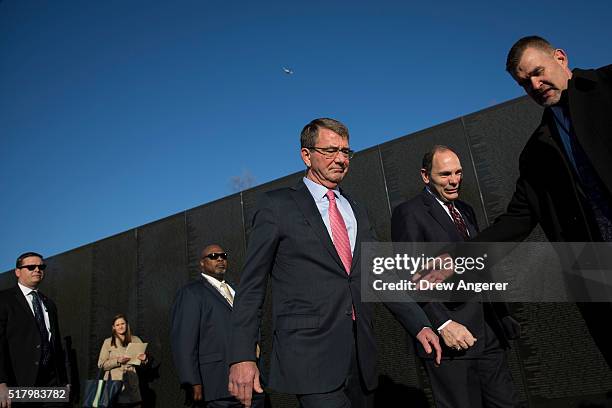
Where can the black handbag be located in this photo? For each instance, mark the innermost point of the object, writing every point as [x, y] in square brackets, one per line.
[101, 393]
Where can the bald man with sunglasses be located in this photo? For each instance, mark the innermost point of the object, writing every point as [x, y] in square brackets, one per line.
[199, 333]
[31, 352]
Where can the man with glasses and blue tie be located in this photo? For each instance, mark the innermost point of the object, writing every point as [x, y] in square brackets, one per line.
[200, 324]
[30, 344]
[307, 239]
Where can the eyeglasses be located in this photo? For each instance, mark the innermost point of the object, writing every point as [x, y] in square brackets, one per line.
[216, 255]
[331, 152]
[41, 267]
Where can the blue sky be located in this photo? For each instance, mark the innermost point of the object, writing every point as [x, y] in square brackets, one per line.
[116, 113]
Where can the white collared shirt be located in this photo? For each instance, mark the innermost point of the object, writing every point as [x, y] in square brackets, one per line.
[319, 193]
[27, 292]
[217, 285]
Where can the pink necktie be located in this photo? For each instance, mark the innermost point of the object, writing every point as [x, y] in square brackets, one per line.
[340, 236]
[339, 233]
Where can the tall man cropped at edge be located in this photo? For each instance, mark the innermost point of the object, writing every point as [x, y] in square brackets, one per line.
[564, 182]
[308, 238]
[31, 352]
[474, 371]
[199, 334]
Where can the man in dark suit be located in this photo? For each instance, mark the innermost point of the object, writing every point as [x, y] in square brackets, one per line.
[474, 372]
[31, 352]
[308, 239]
[200, 332]
[564, 182]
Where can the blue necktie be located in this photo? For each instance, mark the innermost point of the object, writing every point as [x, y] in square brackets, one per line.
[45, 352]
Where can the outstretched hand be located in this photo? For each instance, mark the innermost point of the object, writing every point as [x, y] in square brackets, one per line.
[436, 270]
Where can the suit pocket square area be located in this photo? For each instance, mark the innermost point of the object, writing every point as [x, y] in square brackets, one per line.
[297, 321]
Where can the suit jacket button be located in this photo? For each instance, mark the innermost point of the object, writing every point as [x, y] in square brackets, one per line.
[349, 312]
[36, 363]
[38, 346]
[350, 279]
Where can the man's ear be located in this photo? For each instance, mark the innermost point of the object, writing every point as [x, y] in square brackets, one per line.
[425, 176]
[561, 57]
[305, 153]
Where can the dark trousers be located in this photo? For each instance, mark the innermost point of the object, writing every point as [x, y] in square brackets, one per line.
[352, 394]
[481, 382]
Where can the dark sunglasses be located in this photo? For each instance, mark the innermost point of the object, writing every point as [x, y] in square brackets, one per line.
[42, 267]
[216, 255]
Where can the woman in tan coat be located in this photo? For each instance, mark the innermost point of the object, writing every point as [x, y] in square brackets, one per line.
[113, 359]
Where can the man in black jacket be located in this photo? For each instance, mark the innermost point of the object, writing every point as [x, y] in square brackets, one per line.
[474, 371]
[31, 352]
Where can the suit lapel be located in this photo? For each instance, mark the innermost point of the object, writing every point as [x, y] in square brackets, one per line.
[545, 134]
[548, 135]
[467, 218]
[471, 228]
[215, 292]
[306, 204]
[440, 216]
[551, 148]
[23, 303]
